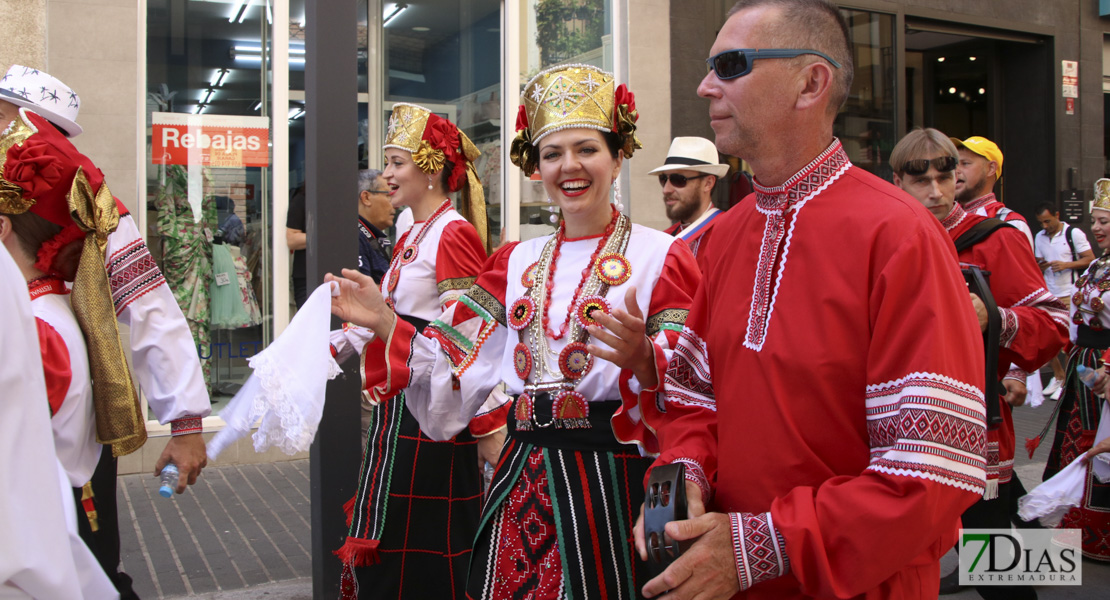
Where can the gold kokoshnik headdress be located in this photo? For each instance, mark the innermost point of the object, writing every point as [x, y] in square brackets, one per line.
[42, 173]
[1102, 195]
[434, 142]
[567, 97]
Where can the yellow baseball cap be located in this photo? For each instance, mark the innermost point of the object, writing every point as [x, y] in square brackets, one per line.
[983, 147]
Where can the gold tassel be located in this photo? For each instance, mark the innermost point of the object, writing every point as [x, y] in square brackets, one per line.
[473, 196]
[119, 419]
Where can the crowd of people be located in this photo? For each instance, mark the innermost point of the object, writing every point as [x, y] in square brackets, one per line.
[812, 356]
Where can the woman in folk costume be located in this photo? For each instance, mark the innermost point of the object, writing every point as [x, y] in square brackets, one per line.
[55, 217]
[1078, 411]
[580, 325]
[416, 510]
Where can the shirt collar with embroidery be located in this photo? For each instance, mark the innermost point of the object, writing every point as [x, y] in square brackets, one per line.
[980, 202]
[955, 217]
[805, 182]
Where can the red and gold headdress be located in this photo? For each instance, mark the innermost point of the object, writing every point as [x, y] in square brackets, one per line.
[433, 142]
[570, 96]
[41, 172]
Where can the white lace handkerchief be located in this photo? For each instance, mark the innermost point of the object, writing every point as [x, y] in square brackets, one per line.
[1051, 500]
[1100, 463]
[286, 390]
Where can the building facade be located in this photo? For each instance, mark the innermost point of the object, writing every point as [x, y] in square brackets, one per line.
[156, 74]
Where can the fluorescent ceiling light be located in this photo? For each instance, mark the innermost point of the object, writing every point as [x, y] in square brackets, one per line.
[238, 13]
[220, 74]
[389, 14]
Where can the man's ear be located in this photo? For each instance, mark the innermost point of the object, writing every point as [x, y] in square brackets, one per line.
[897, 180]
[364, 197]
[816, 84]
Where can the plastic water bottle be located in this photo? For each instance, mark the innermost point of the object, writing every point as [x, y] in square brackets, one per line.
[169, 480]
[1087, 375]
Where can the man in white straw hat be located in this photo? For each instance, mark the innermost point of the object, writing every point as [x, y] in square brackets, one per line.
[688, 177]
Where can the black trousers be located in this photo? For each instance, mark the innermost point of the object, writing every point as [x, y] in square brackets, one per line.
[995, 514]
[104, 542]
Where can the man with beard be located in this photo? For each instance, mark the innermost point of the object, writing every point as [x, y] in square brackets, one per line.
[979, 168]
[688, 177]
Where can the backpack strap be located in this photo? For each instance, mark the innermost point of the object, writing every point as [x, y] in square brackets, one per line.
[1071, 246]
[979, 232]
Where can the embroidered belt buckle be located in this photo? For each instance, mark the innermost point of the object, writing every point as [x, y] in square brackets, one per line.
[665, 501]
[569, 410]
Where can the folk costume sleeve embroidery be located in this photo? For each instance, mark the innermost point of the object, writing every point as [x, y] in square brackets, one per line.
[851, 410]
[162, 348]
[459, 260]
[455, 274]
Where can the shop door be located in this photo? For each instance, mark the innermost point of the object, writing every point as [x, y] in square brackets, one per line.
[992, 84]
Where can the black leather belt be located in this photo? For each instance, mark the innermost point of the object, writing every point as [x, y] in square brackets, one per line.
[1092, 338]
[597, 437]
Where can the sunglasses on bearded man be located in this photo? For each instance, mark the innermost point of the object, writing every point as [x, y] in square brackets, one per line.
[678, 181]
[731, 64]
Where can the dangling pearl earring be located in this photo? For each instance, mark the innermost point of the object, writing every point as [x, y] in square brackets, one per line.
[430, 187]
[617, 195]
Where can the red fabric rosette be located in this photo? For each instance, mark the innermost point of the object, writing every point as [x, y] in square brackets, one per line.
[442, 135]
[44, 166]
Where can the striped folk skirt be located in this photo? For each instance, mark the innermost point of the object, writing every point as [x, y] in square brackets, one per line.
[558, 521]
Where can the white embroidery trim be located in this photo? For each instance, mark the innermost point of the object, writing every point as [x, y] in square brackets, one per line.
[797, 208]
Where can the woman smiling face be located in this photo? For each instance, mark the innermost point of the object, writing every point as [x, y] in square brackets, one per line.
[1100, 227]
[578, 168]
[406, 183]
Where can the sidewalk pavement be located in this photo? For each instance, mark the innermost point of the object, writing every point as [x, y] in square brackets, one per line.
[243, 531]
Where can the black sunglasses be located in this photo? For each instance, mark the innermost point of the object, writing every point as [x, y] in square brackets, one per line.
[731, 64]
[921, 166]
[678, 181]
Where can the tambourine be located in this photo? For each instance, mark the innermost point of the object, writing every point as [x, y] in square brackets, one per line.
[664, 501]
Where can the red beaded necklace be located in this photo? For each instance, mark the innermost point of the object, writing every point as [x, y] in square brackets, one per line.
[549, 288]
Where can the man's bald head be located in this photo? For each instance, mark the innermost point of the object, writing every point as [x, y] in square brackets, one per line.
[811, 25]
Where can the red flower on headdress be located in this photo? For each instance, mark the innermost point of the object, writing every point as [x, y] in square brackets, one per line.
[442, 135]
[35, 166]
[622, 95]
[521, 118]
[624, 119]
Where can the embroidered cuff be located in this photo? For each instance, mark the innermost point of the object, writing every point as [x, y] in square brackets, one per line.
[759, 549]
[1016, 373]
[185, 426]
[696, 475]
[1009, 327]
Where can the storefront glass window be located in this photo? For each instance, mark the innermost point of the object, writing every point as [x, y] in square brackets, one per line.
[866, 124]
[208, 203]
[556, 32]
[446, 55]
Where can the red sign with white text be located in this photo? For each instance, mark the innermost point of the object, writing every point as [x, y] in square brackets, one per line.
[210, 140]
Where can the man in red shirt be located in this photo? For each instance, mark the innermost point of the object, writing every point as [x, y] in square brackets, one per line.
[1034, 321]
[831, 339]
